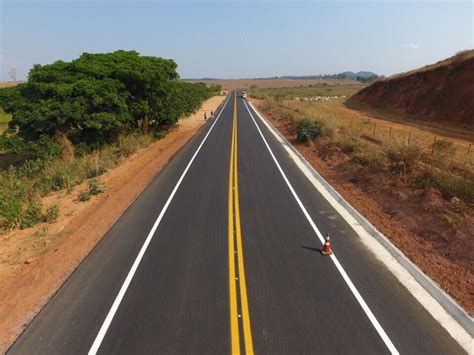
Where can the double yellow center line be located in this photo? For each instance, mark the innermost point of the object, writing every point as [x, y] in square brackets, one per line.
[239, 310]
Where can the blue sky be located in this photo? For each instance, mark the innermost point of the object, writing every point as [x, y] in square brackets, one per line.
[235, 39]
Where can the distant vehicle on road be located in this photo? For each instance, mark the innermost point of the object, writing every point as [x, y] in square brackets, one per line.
[244, 94]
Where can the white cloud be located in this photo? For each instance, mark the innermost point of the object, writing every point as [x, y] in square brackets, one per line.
[411, 46]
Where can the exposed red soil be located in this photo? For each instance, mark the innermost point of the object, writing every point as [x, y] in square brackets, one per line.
[429, 230]
[34, 262]
[443, 92]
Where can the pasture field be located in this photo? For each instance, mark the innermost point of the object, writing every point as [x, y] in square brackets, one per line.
[278, 83]
[6, 84]
[326, 88]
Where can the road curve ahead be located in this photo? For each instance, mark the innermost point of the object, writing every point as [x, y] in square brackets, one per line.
[220, 254]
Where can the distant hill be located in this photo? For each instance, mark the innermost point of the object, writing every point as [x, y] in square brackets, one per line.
[441, 91]
[360, 74]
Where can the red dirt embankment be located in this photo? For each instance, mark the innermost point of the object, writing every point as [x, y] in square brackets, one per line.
[443, 91]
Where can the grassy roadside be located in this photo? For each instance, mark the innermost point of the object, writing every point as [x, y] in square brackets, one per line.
[22, 187]
[24, 184]
[413, 156]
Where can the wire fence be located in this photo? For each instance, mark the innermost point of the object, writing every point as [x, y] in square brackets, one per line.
[433, 145]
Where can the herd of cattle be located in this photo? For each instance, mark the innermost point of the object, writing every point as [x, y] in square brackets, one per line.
[319, 98]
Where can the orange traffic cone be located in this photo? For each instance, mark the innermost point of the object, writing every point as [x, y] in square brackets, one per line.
[326, 250]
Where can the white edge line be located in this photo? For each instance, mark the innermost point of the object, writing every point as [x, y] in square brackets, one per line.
[108, 320]
[339, 267]
[436, 310]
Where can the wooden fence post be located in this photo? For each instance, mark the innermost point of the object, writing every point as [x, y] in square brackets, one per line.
[390, 133]
[433, 147]
[409, 138]
[467, 155]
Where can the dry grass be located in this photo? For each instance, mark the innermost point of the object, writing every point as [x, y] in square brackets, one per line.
[454, 130]
[379, 144]
[9, 83]
[381, 131]
[276, 83]
[323, 89]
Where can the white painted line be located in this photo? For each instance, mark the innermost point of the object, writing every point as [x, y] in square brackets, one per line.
[339, 267]
[108, 320]
[379, 250]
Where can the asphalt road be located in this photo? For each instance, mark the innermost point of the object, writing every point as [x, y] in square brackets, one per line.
[217, 256]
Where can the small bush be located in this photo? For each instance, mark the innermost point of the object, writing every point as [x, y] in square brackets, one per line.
[441, 149]
[93, 165]
[451, 185]
[441, 145]
[52, 214]
[373, 160]
[402, 156]
[159, 135]
[327, 130]
[81, 149]
[96, 187]
[307, 131]
[84, 196]
[350, 144]
[10, 213]
[32, 215]
[127, 145]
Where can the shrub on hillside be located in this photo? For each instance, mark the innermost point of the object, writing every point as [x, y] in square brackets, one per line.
[52, 214]
[451, 185]
[371, 159]
[442, 148]
[403, 156]
[96, 187]
[307, 131]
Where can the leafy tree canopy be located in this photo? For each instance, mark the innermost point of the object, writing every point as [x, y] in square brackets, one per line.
[90, 100]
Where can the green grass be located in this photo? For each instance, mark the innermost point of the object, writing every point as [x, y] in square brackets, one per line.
[4, 119]
[21, 187]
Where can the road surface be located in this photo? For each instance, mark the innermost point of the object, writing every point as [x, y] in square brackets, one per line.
[220, 254]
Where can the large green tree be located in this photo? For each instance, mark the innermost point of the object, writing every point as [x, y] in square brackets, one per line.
[92, 99]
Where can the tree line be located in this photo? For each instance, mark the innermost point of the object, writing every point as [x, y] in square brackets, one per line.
[90, 101]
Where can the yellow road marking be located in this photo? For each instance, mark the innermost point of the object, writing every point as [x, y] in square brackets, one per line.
[240, 254]
[235, 207]
[234, 325]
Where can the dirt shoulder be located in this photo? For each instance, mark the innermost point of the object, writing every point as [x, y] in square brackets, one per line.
[34, 262]
[419, 222]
